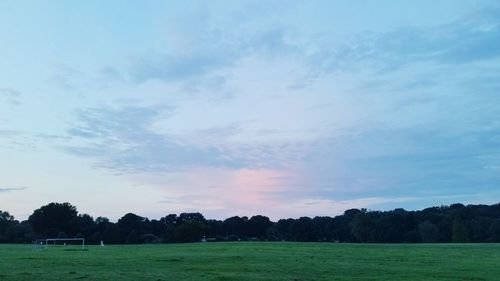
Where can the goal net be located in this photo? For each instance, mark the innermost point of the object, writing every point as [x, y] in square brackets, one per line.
[65, 243]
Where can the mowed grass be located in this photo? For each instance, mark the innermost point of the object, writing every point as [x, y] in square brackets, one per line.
[254, 261]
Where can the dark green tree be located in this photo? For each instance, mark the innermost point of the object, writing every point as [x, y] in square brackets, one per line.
[362, 227]
[258, 226]
[460, 232]
[429, 232]
[169, 222]
[283, 227]
[236, 226]
[190, 231]
[494, 231]
[133, 226]
[302, 230]
[6, 222]
[112, 234]
[51, 219]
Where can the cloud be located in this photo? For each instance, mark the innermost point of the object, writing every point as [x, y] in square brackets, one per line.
[123, 139]
[68, 78]
[416, 117]
[404, 162]
[210, 45]
[428, 106]
[223, 190]
[9, 133]
[72, 78]
[379, 119]
[23, 140]
[175, 68]
[214, 49]
[467, 40]
[11, 96]
[10, 189]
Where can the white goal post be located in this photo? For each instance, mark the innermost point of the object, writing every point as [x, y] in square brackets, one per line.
[55, 241]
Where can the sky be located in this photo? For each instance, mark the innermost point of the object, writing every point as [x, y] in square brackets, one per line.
[279, 108]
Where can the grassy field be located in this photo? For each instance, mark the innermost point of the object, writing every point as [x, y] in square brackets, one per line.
[254, 261]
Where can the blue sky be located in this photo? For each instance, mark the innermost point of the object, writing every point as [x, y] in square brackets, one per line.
[281, 108]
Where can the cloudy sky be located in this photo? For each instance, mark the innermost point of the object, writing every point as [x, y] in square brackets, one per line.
[281, 108]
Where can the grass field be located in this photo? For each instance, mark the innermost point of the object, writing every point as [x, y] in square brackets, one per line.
[254, 261]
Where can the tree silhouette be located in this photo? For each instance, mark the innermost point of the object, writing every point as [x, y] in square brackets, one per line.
[454, 223]
[54, 218]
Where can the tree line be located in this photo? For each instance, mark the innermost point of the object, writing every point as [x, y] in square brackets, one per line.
[455, 223]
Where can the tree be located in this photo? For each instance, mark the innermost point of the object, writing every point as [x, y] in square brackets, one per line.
[283, 227]
[190, 231]
[494, 231]
[429, 232]
[215, 229]
[412, 236]
[131, 222]
[400, 222]
[170, 223]
[190, 227]
[157, 227]
[5, 216]
[191, 217]
[258, 226]
[51, 219]
[479, 229]
[323, 228]
[454, 223]
[133, 226]
[460, 233]
[112, 234]
[236, 226]
[6, 222]
[361, 226]
[273, 234]
[302, 230]
[133, 237]
[19, 233]
[85, 226]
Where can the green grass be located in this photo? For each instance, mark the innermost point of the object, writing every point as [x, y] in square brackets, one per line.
[254, 261]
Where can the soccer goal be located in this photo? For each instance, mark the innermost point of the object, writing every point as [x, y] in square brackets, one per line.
[38, 244]
[66, 243]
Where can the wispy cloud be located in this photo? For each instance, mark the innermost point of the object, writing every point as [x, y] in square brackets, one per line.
[10, 133]
[11, 96]
[71, 78]
[172, 68]
[399, 162]
[462, 41]
[24, 140]
[123, 139]
[210, 44]
[11, 189]
[397, 81]
[281, 107]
